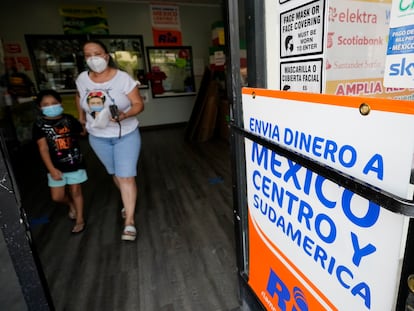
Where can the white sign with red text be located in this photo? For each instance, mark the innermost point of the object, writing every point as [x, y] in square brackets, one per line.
[165, 16]
[350, 50]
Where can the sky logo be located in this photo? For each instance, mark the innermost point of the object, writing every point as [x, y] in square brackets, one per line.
[402, 68]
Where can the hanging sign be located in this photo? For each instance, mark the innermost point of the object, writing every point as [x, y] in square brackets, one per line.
[166, 25]
[314, 245]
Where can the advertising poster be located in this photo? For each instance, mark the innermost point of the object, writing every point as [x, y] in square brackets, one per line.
[165, 16]
[399, 68]
[13, 48]
[314, 245]
[80, 19]
[23, 63]
[355, 58]
[166, 25]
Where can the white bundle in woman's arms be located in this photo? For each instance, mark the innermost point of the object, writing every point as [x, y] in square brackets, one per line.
[101, 118]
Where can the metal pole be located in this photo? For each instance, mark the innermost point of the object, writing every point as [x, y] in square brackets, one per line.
[14, 226]
[236, 117]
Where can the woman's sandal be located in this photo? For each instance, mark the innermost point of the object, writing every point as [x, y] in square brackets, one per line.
[129, 234]
[78, 228]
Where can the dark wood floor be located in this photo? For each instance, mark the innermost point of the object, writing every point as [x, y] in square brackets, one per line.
[184, 256]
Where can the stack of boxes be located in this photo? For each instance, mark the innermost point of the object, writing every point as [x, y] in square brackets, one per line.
[217, 66]
[217, 52]
[217, 55]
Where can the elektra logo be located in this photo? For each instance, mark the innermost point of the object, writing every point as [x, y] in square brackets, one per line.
[287, 300]
[402, 68]
[352, 16]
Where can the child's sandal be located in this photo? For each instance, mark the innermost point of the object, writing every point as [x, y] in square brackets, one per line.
[72, 215]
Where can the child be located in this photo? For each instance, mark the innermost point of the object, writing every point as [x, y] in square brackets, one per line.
[56, 134]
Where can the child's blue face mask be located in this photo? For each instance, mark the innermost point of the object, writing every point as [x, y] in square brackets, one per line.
[53, 110]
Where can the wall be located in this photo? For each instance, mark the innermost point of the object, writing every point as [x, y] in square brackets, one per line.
[18, 18]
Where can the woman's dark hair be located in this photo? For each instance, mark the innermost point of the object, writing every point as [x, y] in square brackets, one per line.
[111, 62]
[44, 93]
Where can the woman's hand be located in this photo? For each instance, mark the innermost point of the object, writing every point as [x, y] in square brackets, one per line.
[121, 116]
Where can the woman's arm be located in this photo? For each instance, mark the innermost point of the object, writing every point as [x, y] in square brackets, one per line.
[81, 112]
[137, 105]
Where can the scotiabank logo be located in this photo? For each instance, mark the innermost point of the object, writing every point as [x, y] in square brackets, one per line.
[355, 40]
[288, 299]
[352, 16]
[360, 40]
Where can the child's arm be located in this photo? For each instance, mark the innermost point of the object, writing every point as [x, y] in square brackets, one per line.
[44, 153]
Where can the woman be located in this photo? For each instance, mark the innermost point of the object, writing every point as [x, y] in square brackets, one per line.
[115, 138]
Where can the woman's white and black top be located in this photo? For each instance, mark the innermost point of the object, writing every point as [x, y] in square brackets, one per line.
[114, 91]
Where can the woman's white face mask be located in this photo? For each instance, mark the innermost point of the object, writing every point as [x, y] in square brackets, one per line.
[97, 63]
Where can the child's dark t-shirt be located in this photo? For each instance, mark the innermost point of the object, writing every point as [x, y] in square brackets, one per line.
[62, 136]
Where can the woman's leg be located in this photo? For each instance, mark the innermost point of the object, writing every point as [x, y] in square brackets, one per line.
[104, 150]
[126, 157]
[128, 189]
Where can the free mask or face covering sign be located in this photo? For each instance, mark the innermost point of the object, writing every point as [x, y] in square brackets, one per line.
[315, 245]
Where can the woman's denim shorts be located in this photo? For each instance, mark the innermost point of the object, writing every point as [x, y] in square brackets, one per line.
[118, 155]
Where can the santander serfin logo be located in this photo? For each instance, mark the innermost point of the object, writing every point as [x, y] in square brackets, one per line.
[351, 16]
[330, 39]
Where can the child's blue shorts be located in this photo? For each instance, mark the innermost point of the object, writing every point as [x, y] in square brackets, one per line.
[68, 178]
